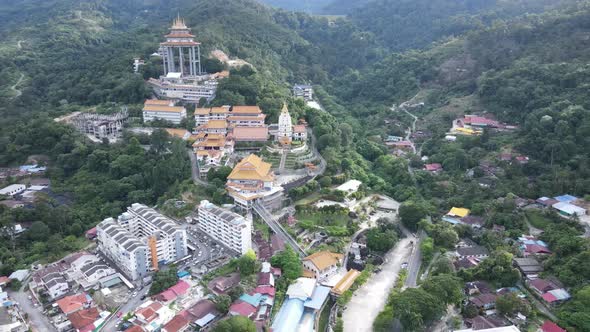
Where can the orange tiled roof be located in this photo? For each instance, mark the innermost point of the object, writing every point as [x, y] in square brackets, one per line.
[159, 108]
[202, 111]
[250, 133]
[324, 259]
[219, 110]
[246, 110]
[83, 318]
[252, 168]
[72, 303]
[158, 102]
[217, 124]
[299, 128]
[180, 133]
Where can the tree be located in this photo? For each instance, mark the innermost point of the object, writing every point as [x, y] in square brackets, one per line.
[442, 265]
[509, 304]
[416, 308]
[289, 262]
[236, 292]
[235, 324]
[411, 213]
[444, 235]
[381, 240]
[163, 280]
[39, 231]
[445, 287]
[247, 265]
[222, 303]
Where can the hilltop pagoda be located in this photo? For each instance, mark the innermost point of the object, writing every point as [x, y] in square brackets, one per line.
[181, 53]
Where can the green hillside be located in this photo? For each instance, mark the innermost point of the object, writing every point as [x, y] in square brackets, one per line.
[523, 61]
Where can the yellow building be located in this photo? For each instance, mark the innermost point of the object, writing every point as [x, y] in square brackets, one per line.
[346, 282]
[251, 179]
[458, 212]
[323, 264]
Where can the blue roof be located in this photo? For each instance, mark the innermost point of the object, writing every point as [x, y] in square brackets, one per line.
[288, 316]
[182, 274]
[319, 296]
[253, 300]
[566, 198]
[451, 220]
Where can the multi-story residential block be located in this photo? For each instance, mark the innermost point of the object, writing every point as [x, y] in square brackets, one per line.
[164, 110]
[230, 228]
[140, 240]
[129, 253]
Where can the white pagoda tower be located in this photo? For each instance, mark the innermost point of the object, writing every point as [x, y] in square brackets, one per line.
[285, 126]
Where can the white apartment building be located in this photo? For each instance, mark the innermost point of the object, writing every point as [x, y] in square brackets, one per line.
[145, 239]
[225, 226]
[13, 189]
[129, 253]
[164, 110]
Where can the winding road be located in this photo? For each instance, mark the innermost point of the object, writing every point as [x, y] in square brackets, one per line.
[17, 92]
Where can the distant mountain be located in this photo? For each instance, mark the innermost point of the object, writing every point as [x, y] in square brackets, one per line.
[308, 6]
[404, 24]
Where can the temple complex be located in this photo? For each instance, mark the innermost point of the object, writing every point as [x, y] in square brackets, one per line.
[253, 180]
[183, 77]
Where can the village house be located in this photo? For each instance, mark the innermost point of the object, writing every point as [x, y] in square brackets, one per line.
[530, 267]
[549, 326]
[485, 301]
[73, 303]
[221, 285]
[433, 168]
[202, 314]
[173, 293]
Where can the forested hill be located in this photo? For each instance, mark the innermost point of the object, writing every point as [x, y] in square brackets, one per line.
[406, 24]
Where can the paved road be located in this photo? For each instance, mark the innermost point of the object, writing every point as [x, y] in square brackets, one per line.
[37, 320]
[414, 263]
[195, 168]
[369, 299]
[130, 305]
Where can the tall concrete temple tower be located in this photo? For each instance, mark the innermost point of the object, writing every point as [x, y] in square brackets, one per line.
[181, 53]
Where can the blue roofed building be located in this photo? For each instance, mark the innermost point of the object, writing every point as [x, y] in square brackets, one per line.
[566, 198]
[301, 311]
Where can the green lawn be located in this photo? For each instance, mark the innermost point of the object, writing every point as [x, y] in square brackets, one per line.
[308, 199]
[537, 219]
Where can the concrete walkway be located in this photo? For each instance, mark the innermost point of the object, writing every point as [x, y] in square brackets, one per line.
[370, 299]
